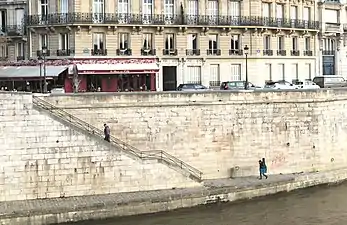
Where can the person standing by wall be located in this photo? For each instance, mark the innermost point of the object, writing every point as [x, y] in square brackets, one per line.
[107, 132]
[262, 169]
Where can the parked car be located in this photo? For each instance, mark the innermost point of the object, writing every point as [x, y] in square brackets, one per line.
[191, 87]
[279, 85]
[237, 85]
[330, 81]
[306, 85]
[58, 90]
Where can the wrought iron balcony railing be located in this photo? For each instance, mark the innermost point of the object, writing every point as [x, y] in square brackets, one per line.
[235, 52]
[101, 52]
[40, 53]
[125, 52]
[65, 52]
[20, 58]
[170, 52]
[162, 19]
[328, 52]
[13, 30]
[146, 52]
[191, 52]
[295, 53]
[281, 52]
[268, 52]
[308, 53]
[214, 52]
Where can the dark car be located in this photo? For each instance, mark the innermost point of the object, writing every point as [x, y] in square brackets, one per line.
[191, 87]
[237, 85]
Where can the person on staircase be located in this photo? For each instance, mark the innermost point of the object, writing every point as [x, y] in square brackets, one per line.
[107, 132]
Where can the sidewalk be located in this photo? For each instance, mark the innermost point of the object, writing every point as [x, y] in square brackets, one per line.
[30, 208]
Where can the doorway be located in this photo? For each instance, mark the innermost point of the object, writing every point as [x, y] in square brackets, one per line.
[169, 78]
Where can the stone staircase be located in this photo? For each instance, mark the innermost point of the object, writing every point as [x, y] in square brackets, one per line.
[156, 155]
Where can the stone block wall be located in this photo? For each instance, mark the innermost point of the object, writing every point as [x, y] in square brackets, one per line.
[43, 158]
[219, 132]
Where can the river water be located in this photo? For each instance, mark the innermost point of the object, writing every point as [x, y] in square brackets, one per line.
[324, 205]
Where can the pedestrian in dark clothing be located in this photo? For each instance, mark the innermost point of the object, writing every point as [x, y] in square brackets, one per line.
[107, 132]
[262, 169]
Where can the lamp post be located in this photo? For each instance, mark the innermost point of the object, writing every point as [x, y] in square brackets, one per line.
[44, 53]
[40, 76]
[245, 51]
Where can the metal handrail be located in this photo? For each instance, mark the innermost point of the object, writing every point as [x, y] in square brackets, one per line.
[126, 148]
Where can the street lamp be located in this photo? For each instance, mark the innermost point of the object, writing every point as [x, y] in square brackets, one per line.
[245, 51]
[44, 53]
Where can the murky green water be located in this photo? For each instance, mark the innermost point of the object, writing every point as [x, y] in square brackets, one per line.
[325, 205]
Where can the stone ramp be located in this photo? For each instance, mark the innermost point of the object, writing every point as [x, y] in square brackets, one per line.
[157, 155]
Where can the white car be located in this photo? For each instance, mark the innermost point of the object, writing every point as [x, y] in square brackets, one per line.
[279, 85]
[306, 85]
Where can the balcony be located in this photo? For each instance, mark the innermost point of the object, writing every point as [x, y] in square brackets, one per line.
[65, 52]
[98, 52]
[13, 31]
[308, 53]
[20, 58]
[235, 52]
[40, 54]
[147, 52]
[281, 52]
[214, 52]
[125, 52]
[172, 52]
[62, 19]
[333, 27]
[268, 52]
[295, 53]
[191, 52]
[328, 52]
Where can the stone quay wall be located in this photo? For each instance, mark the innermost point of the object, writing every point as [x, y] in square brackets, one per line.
[41, 157]
[226, 133]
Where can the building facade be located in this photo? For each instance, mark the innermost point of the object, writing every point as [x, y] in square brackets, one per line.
[12, 30]
[188, 41]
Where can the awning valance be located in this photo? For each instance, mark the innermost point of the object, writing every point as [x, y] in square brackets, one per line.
[27, 72]
[118, 68]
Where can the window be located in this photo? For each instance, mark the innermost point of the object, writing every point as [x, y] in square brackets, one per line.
[235, 72]
[267, 42]
[295, 43]
[98, 11]
[19, 18]
[212, 11]
[281, 71]
[147, 41]
[307, 44]
[43, 41]
[331, 16]
[20, 49]
[280, 43]
[308, 70]
[147, 11]
[192, 11]
[293, 15]
[98, 42]
[64, 6]
[64, 41]
[169, 10]
[266, 9]
[43, 10]
[3, 20]
[294, 72]
[4, 51]
[279, 11]
[268, 71]
[123, 10]
[214, 75]
[213, 42]
[192, 41]
[170, 42]
[193, 75]
[234, 9]
[124, 39]
[307, 14]
[235, 44]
